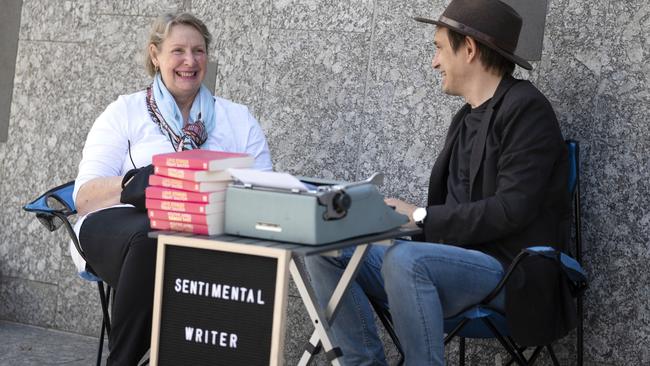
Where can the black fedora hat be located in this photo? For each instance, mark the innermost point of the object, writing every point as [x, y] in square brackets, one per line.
[491, 22]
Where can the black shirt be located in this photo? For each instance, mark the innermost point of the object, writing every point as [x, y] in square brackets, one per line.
[458, 179]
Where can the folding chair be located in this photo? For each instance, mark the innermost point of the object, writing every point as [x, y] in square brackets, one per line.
[52, 209]
[481, 321]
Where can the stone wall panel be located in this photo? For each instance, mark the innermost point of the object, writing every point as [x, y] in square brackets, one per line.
[27, 301]
[240, 33]
[312, 101]
[342, 89]
[405, 114]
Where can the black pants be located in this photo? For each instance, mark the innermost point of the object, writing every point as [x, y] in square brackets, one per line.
[118, 250]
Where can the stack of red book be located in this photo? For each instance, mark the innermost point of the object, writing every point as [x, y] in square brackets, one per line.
[188, 188]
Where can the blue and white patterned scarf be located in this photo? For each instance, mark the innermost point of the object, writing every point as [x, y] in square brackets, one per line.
[165, 113]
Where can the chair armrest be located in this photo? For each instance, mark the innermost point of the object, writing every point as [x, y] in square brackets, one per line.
[570, 266]
[58, 199]
[523, 254]
[53, 209]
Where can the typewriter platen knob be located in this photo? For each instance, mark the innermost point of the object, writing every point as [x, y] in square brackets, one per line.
[342, 202]
[336, 203]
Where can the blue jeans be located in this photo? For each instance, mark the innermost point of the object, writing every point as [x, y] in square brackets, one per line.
[421, 284]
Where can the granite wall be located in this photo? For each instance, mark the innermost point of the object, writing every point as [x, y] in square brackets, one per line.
[342, 89]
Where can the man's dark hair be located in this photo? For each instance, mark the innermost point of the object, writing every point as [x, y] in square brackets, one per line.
[491, 59]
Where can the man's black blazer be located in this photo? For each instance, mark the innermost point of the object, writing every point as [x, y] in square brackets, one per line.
[518, 198]
[518, 178]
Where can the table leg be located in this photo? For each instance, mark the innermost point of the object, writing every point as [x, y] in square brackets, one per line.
[322, 321]
[319, 321]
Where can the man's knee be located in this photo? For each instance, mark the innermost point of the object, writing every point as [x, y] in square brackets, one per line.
[399, 261]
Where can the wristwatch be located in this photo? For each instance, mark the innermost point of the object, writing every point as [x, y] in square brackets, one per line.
[419, 215]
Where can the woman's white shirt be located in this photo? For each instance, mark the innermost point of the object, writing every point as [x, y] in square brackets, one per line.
[126, 122]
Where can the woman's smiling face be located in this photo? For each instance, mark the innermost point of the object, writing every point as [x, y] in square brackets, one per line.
[182, 60]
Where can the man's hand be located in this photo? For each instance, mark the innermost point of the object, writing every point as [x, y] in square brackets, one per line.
[404, 208]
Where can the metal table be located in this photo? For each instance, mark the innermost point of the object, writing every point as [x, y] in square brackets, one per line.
[322, 319]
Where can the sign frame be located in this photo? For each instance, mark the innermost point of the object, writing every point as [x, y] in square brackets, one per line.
[283, 257]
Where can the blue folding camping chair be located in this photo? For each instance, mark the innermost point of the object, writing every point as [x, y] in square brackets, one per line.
[482, 321]
[52, 209]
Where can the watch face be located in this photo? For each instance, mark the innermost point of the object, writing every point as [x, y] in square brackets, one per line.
[419, 214]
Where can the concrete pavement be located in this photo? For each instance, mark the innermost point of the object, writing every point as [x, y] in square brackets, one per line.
[22, 345]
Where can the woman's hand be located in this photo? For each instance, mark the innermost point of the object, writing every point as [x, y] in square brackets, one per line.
[134, 183]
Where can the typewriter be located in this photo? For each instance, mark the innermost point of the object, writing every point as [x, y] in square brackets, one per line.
[308, 211]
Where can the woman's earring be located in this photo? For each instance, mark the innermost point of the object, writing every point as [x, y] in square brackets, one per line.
[155, 66]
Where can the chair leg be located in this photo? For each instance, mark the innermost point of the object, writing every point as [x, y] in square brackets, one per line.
[100, 349]
[551, 353]
[104, 297]
[388, 325]
[535, 354]
[579, 333]
[461, 351]
[505, 343]
[520, 351]
[453, 333]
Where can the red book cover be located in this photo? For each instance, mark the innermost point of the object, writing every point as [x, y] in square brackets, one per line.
[199, 219]
[186, 185]
[170, 194]
[187, 207]
[192, 174]
[216, 228]
[203, 160]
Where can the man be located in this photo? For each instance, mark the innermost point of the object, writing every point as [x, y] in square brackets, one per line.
[499, 185]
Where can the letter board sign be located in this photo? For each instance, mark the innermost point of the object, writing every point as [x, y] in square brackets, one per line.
[218, 303]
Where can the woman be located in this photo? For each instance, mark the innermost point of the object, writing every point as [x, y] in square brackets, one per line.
[176, 112]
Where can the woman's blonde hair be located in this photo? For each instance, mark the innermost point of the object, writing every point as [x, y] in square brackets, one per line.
[160, 30]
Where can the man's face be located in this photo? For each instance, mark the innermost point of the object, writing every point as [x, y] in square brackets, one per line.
[450, 64]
